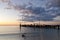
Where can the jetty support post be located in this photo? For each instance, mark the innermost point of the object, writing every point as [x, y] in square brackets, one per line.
[58, 27]
[20, 27]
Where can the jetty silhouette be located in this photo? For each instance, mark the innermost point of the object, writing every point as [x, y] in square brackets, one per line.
[41, 26]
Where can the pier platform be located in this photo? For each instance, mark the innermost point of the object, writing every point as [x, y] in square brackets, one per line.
[42, 26]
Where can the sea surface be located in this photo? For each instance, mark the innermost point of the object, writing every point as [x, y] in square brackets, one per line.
[30, 33]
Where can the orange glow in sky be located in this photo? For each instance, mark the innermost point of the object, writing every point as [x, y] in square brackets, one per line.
[9, 23]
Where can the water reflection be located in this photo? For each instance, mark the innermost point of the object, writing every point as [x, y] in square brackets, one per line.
[43, 34]
[50, 34]
[31, 34]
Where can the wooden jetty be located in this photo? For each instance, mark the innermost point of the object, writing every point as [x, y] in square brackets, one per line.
[41, 26]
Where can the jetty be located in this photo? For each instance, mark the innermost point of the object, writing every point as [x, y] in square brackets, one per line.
[41, 26]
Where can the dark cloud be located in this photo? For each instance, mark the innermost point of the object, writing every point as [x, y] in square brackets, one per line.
[35, 13]
[57, 3]
[43, 14]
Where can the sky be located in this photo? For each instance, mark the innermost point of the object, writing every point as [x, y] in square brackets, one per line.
[13, 12]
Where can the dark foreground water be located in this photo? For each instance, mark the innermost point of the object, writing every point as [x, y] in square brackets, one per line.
[14, 33]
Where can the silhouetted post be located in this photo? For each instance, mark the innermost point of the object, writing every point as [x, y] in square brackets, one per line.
[20, 27]
[34, 26]
[58, 27]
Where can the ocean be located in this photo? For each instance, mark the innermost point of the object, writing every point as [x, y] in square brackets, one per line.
[14, 33]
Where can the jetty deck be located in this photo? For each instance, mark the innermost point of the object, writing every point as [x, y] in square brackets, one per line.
[42, 26]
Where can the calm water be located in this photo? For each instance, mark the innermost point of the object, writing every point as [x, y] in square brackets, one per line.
[14, 33]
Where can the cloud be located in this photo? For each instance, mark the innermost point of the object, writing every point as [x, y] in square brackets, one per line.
[36, 13]
[56, 3]
[57, 18]
[5, 1]
[40, 14]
